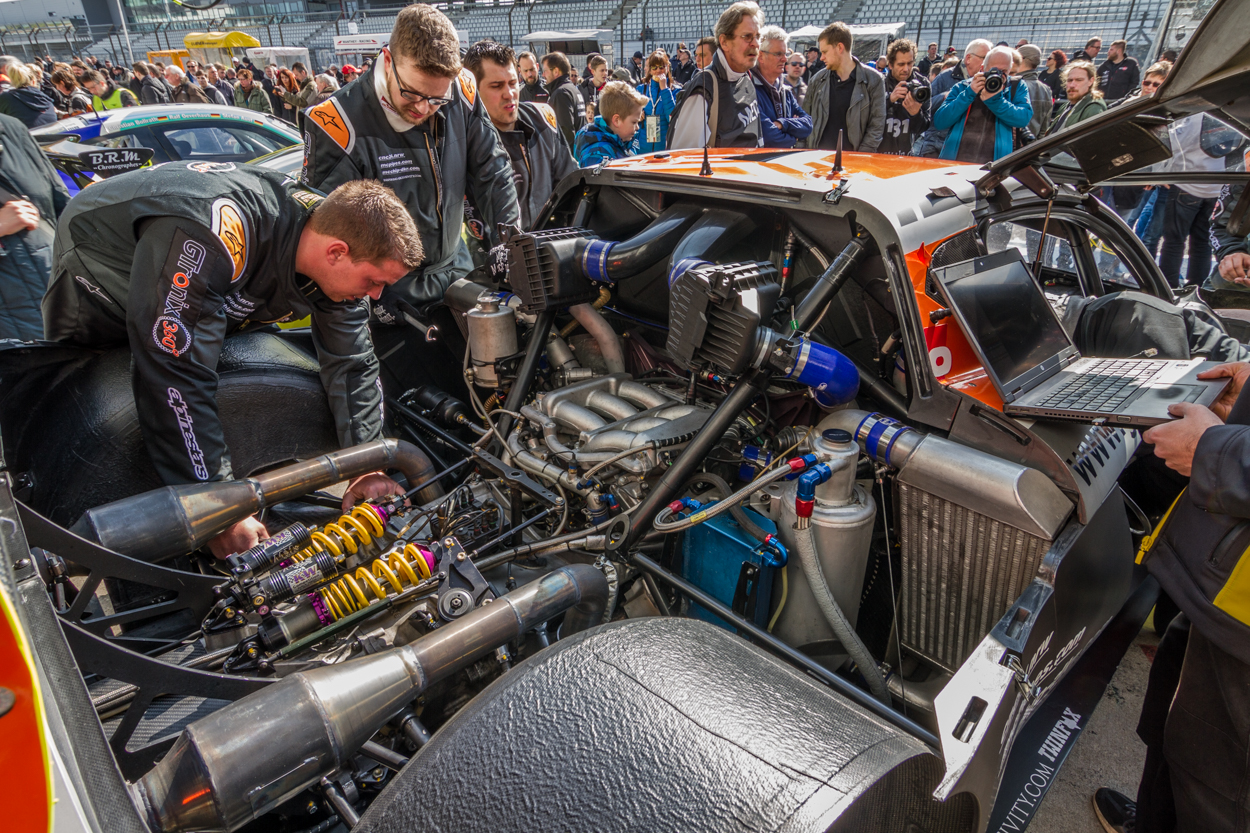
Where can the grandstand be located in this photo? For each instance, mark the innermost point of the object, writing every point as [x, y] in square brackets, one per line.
[645, 24]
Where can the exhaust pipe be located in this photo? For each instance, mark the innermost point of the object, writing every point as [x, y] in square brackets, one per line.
[178, 519]
[243, 761]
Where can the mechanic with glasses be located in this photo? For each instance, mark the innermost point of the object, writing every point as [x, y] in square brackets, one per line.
[413, 122]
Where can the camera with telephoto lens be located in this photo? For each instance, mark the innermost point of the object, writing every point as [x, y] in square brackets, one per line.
[919, 91]
[995, 80]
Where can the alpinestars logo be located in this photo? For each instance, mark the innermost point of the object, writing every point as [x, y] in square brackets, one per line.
[169, 332]
[179, 406]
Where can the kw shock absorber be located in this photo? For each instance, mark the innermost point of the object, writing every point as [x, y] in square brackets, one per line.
[397, 569]
[348, 534]
[327, 547]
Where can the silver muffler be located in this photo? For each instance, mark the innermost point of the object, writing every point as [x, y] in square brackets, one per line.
[246, 759]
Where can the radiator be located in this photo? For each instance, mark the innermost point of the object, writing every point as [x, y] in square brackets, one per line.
[961, 572]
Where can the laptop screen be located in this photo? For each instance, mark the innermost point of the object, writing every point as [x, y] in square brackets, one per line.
[1006, 314]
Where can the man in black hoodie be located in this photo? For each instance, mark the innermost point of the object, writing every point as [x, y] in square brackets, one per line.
[152, 88]
[564, 98]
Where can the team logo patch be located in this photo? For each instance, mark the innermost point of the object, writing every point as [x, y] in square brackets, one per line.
[231, 229]
[171, 335]
[330, 118]
[211, 167]
[548, 114]
[306, 198]
[468, 86]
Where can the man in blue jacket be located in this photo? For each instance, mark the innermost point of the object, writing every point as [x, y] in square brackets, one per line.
[980, 122]
[782, 118]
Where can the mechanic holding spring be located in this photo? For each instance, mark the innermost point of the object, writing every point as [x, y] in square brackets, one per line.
[171, 259]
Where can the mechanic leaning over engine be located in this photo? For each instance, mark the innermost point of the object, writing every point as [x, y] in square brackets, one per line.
[172, 259]
[413, 122]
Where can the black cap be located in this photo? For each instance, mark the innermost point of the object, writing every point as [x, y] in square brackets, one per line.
[836, 435]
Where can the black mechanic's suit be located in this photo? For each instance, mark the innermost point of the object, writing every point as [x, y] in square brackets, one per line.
[432, 168]
[170, 260]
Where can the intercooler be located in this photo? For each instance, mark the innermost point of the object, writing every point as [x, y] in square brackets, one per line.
[961, 571]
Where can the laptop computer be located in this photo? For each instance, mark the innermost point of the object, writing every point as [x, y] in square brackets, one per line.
[1037, 369]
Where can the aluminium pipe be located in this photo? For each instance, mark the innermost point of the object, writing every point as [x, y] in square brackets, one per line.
[178, 519]
[246, 759]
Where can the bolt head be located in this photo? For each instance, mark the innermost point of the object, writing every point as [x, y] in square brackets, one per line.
[456, 603]
[258, 600]
[21, 564]
[460, 556]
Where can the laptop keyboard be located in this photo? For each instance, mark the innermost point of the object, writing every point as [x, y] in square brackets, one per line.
[1104, 385]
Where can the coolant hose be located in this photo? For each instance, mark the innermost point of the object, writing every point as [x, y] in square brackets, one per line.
[805, 541]
[609, 342]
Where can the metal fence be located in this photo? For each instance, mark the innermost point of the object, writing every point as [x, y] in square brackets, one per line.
[1149, 26]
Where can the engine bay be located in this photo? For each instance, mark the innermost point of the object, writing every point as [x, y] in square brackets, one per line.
[680, 409]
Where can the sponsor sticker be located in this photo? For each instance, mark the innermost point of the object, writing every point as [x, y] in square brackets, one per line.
[548, 114]
[397, 167]
[230, 226]
[468, 86]
[187, 427]
[211, 167]
[330, 118]
[93, 289]
[308, 199]
[171, 335]
[181, 308]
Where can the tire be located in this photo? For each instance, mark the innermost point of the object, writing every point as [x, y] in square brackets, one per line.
[83, 447]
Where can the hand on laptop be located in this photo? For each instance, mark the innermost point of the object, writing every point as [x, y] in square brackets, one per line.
[1239, 372]
[1175, 442]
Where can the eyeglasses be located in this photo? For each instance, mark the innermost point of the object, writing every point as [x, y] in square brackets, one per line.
[412, 96]
[749, 37]
[774, 54]
[797, 64]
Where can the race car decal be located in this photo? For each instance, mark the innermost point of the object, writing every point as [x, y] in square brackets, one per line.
[468, 86]
[334, 123]
[548, 114]
[211, 167]
[187, 426]
[230, 226]
[171, 332]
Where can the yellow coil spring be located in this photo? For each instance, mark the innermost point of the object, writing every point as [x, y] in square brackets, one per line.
[349, 533]
[398, 569]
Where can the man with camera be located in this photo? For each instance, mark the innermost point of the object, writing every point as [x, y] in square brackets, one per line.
[907, 93]
[982, 112]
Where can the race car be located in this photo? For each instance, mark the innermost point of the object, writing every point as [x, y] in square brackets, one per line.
[717, 522]
[176, 132]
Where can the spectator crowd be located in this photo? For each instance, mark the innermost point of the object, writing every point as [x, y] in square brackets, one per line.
[743, 86]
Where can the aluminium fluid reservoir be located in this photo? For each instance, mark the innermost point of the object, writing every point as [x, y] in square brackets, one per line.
[492, 336]
[842, 521]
